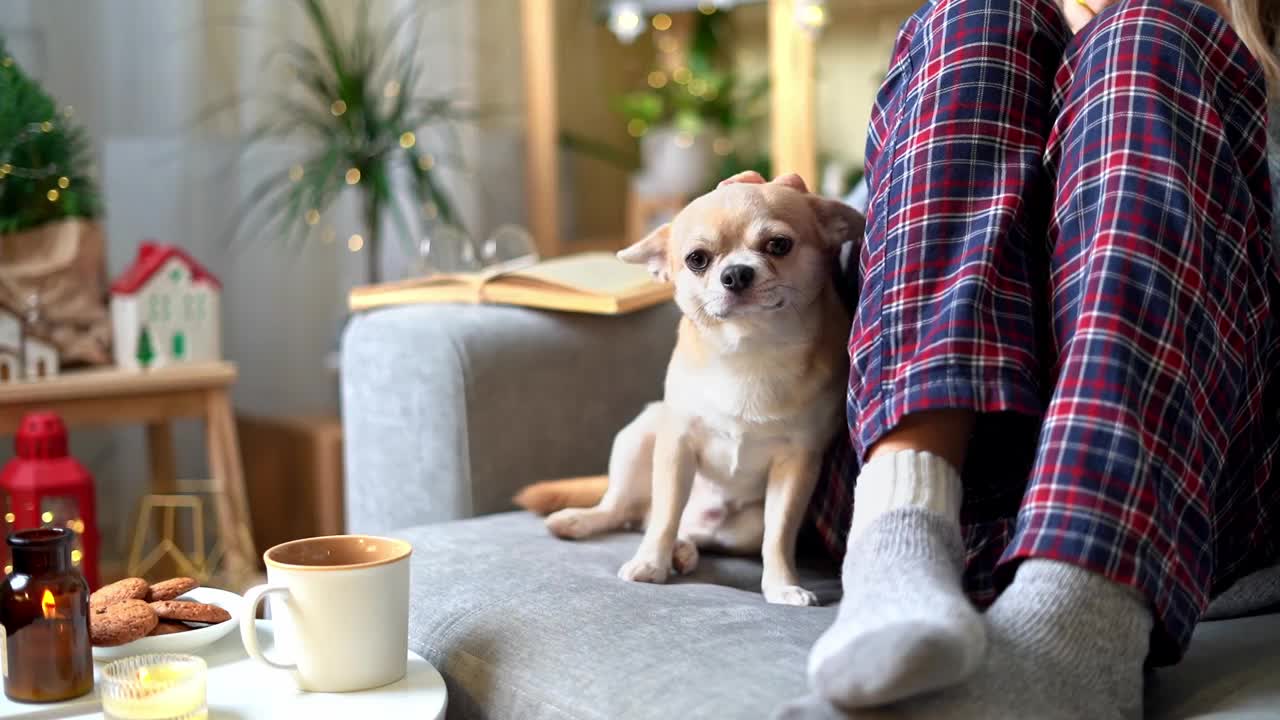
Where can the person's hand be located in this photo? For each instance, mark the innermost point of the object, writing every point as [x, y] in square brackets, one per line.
[751, 177]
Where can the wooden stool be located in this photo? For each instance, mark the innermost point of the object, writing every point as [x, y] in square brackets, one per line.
[155, 398]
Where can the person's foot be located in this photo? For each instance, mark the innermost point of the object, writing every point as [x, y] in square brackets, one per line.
[904, 626]
[1064, 643]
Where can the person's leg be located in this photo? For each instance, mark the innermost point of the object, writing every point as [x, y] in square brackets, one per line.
[1164, 294]
[945, 329]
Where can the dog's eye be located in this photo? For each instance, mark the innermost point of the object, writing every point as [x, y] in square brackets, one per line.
[697, 260]
[778, 246]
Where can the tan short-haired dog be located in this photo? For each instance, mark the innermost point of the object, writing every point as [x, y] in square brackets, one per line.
[755, 389]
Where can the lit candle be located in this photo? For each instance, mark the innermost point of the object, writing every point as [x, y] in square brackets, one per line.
[155, 687]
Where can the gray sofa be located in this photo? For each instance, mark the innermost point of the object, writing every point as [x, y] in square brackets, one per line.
[449, 409]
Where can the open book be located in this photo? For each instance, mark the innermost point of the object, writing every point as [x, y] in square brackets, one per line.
[594, 282]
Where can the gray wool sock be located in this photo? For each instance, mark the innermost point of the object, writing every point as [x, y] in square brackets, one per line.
[904, 626]
[1064, 643]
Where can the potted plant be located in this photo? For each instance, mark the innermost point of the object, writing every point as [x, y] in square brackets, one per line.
[52, 251]
[690, 119]
[360, 115]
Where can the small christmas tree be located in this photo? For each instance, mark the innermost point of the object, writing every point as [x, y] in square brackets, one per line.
[44, 157]
[146, 353]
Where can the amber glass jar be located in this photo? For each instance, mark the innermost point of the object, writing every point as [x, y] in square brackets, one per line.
[44, 609]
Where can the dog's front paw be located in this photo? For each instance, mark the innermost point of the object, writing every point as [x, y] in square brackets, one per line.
[790, 595]
[641, 570]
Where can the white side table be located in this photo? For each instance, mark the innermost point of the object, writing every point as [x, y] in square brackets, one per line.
[243, 689]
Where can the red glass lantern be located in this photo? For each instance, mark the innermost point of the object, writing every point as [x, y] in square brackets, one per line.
[43, 487]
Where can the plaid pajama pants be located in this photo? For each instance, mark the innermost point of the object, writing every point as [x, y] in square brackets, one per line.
[1071, 237]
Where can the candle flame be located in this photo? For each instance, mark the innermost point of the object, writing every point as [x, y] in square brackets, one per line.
[48, 606]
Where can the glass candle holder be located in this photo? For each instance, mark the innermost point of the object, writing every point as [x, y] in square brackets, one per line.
[44, 605]
[155, 687]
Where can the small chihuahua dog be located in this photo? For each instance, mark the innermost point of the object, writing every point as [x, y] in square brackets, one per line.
[728, 460]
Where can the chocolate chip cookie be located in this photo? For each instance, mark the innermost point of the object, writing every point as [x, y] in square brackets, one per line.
[121, 623]
[169, 627]
[188, 611]
[117, 592]
[171, 589]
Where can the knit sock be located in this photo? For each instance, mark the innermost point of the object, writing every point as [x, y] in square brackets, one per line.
[1064, 643]
[904, 626]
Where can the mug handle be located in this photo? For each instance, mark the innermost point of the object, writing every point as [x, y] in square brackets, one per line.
[248, 623]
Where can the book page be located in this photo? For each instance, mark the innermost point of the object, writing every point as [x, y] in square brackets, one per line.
[598, 273]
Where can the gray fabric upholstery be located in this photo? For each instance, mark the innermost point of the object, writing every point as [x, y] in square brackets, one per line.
[448, 409]
[525, 626]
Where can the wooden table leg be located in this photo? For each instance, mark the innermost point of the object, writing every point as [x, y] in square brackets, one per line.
[228, 484]
[163, 468]
[235, 477]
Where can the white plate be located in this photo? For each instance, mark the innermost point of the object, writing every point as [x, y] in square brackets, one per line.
[189, 642]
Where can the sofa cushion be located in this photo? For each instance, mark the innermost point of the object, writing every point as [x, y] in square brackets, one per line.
[523, 625]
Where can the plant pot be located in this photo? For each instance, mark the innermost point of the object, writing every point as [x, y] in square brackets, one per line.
[675, 162]
[59, 271]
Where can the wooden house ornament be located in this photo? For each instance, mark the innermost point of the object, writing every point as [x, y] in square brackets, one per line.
[25, 354]
[164, 310]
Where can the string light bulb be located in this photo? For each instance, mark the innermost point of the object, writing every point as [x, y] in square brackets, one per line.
[76, 556]
[408, 139]
[46, 516]
[811, 15]
[296, 172]
[53, 197]
[661, 22]
[64, 182]
[681, 75]
[706, 7]
[353, 176]
[46, 126]
[426, 161]
[338, 107]
[657, 79]
[355, 243]
[312, 216]
[624, 21]
[637, 127]
[10, 517]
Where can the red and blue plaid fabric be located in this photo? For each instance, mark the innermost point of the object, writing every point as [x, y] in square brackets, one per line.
[1070, 235]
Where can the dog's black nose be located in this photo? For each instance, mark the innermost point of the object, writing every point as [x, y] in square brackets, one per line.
[737, 278]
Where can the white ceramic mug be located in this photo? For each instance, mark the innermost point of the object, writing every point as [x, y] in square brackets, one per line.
[340, 609]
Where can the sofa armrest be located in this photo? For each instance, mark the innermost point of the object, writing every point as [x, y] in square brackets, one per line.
[447, 410]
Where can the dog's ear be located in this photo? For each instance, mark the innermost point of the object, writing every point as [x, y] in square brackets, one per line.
[837, 222]
[652, 251]
[791, 180]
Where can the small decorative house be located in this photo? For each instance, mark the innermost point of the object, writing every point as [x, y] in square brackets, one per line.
[39, 355]
[164, 310]
[24, 353]
[10, 345]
